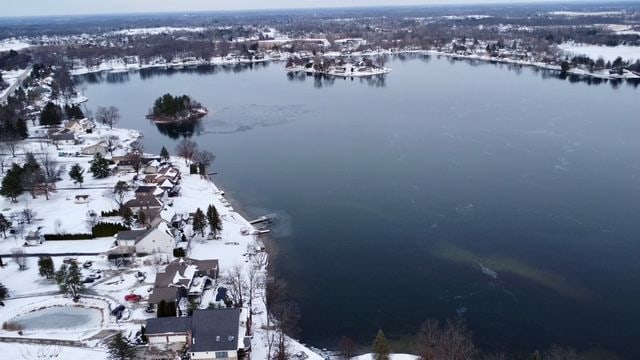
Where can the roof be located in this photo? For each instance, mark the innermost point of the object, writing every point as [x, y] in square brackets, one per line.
[166, 293]
[63, 136]
[215, 330]
[132, 234]
[143, 201]
[167, 325]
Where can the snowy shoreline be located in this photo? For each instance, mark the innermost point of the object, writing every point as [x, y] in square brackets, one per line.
[119, 65]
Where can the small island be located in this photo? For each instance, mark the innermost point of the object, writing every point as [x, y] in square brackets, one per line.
[169, 109]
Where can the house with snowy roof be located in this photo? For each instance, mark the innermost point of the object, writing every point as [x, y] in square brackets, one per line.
[80, 126]
[184, 278]
[158, 238]
[207, 334]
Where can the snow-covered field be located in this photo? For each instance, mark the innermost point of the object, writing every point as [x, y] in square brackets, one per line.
[586, 13]
[13, 44]
[156, 30]
[32, 352]
[608, 53]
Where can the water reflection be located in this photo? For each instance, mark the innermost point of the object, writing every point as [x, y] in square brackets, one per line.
[184, 129]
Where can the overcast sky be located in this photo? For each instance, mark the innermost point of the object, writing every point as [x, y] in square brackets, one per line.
[74, 7]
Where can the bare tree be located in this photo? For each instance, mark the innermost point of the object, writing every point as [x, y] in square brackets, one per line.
[186, 149]
[28, 215]
[288, 316]
[451, 341]
[108, 115]
[347, 348]
[51, 171]
[203, 158]
[237, 284]
[111, 141]
[3, 157]
[11, 144]
[19, 258]
[558, 353]
[118, 194]
[135, 159]
[92, 219]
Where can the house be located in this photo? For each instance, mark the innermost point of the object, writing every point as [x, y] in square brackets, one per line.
[100, 147]
[63, 138]
[183, 278]
[149, 191]
[143, 201]
[207, 334]
[33, 239]
[151, 167]
[124, 166]
[157, 238]
[81, 126]
[82, 199]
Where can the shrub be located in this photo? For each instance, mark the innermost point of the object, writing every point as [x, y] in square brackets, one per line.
[11, 326]
[113, 212]
[179, 252]
[56, 237]
[103, 229]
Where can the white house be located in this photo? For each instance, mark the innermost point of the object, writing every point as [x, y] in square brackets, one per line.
[100, 147]
[156, 239]
[79, 126]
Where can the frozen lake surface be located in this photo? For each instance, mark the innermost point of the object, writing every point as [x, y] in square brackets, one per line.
[59, 317]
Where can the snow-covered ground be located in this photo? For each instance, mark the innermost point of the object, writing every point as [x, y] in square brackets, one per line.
[32, 352]
[13, 44]
[156, 30]
[586, 13]
[392, 357]
[608, 53]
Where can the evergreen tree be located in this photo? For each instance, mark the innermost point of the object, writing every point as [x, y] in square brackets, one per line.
[214, 219]
[68, 279]
[21, 130]
[73, 112]
[4, 225]
[76, 173]
[30, 162]
[380, 347]
[199, 222]
[142, 218]
[119, 348]
[11, 184]
[51, 115]
[3, 292]
[99, 166]
[127, 216]
[45, 267]
[164, 153]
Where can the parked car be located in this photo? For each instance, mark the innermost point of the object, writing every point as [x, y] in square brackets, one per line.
[301, 355]
[118, 311]
[87, 264]
[149, 309]
[69, 260]
[133, 297]
[88, 280]
[95, 276]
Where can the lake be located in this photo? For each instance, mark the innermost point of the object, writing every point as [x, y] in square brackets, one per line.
[499, 194]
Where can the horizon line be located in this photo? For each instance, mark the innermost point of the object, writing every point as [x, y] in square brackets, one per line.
[302, 8]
